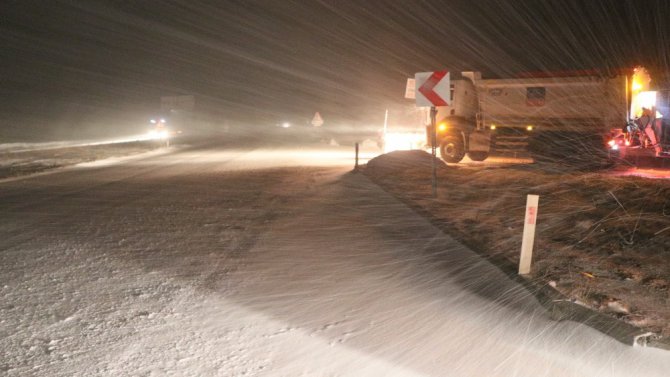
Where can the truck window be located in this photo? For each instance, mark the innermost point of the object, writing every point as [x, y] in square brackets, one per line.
[535, 95]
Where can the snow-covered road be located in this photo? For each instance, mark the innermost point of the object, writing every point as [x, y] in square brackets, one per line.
[212, 261]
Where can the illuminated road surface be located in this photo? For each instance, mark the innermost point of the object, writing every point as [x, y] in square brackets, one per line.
[225, 262]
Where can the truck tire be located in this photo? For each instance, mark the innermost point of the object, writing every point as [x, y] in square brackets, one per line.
[452, 149]
[478, 156]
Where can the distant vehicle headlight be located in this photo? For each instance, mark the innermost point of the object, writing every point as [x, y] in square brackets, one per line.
[158, 134]
[286, 125]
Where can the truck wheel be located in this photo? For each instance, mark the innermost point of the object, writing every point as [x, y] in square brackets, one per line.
[478, 156]
[452, 149]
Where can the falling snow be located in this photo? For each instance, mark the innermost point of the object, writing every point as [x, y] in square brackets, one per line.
[248, 247]
[210, 262]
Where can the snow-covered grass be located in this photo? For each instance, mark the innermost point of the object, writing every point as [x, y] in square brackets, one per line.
[602, 237]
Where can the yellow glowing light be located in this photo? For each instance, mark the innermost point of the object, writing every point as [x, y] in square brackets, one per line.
[403, 141]
[493, 127]
[529, 128]
[640, 80]
[442, 127]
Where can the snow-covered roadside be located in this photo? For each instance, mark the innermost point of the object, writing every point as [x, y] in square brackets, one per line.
[40, 146]
[23, 163]
[601, 239]
[200, 263]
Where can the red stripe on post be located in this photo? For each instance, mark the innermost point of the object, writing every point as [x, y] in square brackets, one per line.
[427, 88]
[532, 213]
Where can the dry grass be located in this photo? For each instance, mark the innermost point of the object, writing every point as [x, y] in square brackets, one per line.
[602, 239]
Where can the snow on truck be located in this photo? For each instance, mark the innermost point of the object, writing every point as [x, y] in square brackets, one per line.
[562, 114]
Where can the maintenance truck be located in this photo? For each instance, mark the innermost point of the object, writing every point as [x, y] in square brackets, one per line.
[558, 115]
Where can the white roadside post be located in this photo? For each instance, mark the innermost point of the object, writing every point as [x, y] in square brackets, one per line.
[528, 234]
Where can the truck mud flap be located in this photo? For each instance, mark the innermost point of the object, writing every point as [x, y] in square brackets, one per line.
[479, 142]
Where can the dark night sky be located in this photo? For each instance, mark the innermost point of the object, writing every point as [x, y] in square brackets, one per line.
[85, 65]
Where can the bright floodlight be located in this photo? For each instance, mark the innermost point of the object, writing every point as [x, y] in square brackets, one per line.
[286, 125]
[403, 141]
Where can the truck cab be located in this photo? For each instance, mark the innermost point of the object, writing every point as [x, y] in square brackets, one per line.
[459, 127]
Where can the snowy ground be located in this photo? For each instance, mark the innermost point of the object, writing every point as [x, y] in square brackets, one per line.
[18, 159]
[39, 146]
[216, 261]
